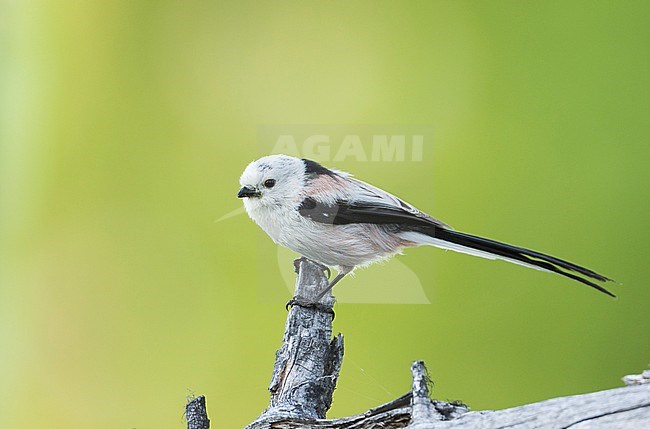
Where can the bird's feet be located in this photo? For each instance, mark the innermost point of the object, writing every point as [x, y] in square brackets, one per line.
[301, 302]
[324, 268]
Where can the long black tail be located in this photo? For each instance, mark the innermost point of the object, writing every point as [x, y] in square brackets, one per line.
[525, 256]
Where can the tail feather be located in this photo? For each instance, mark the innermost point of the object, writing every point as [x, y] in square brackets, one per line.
[491, 249]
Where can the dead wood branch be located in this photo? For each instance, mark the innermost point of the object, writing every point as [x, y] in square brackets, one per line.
[307, 368]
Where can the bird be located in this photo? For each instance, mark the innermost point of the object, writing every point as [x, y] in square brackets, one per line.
[336, 220]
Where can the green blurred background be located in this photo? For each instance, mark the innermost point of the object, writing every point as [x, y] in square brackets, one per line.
[124, 127]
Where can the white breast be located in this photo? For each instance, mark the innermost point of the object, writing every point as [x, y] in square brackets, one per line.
[331, 245]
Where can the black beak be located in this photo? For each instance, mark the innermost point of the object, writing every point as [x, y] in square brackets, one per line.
[248, 191]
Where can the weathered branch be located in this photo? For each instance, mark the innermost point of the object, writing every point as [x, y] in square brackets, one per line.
[634, 379]
[307, 368]
[307, 365]
[196, 414]
[625, 407]
[424, 411]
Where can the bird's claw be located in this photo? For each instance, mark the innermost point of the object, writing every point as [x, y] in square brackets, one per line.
[301, 302]
[326, 271]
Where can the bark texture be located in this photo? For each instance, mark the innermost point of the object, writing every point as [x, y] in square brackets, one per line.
[196, 414]
[622, 408]
[307, 368]
[308, 363]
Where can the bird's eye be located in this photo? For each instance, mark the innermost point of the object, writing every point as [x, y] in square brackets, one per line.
[269, 183]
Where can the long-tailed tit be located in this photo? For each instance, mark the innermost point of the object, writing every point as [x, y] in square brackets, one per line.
[339, 221]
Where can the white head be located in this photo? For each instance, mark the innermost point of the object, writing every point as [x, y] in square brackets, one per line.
[274, 180]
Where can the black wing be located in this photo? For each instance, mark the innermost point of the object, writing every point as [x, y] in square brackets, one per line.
[345, 212]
